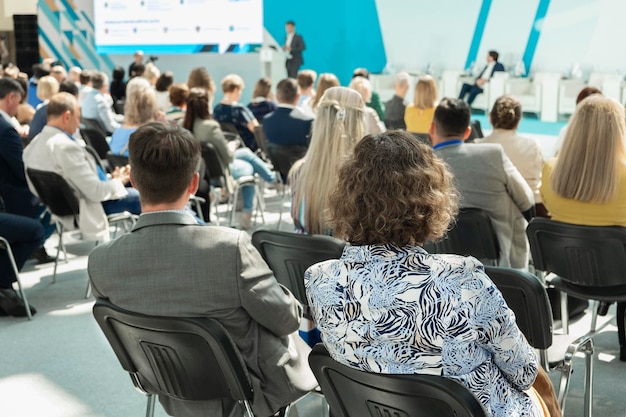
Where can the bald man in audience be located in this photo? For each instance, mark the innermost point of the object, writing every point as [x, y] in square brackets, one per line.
[486, 179]
[168, 265]
[98, 104]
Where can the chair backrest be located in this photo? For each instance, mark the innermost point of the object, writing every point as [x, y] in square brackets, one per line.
[472, 234]
[116, 160]
[355, 393]
[214, 164]
[228, 127]
[585, 256]
[259, 136]
[289, 255]
[283, 157]
[526, 296]
[191, 359]
[97, 140]
[54, 192]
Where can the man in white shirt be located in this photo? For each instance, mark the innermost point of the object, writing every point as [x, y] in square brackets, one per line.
[483, 78]
[98, 104]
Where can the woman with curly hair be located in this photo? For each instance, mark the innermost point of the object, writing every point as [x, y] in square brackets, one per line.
[339, 124]
[387, 306]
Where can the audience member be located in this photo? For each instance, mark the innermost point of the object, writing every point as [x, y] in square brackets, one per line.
[228, 110]
[434, 314]
[59, 73]
[583, 94]
[486, 179]
[375, 100]
[395, 107]
[200, 77]
[24, 235]
[306, 84]
[56, 150]
[46, 88]
[261, 104]
[85, 87]
[118, 85]
[38, 71]
[136, 68]
[324, 82]
[74, 75]
[25, 112]
[98, 104]
[40, 117]
[372, 122]
[223, 277]
[179, 92]
[140, 108]
[483, 78]
[14, 191]
[151, 73]
[524, 152]
[162, 88]
[241, 161]
[339, 124]
[586, 184]
[418, 115]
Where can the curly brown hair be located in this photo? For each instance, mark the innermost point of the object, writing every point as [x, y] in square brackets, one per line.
[393, 189]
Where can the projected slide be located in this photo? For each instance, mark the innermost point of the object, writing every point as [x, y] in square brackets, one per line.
[178, 26]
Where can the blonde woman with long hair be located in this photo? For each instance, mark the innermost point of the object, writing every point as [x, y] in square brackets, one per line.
[419, 115]
[586, 184]
[337, 128]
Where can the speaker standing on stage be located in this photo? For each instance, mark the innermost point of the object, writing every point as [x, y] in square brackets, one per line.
[293, 47]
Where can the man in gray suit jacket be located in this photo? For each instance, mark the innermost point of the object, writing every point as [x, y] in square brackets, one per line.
[485, 178]
[169, 265]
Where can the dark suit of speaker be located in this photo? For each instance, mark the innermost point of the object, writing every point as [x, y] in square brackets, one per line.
[296, 60]
[474, 90]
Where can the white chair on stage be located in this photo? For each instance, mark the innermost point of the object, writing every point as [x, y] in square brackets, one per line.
[539, 95]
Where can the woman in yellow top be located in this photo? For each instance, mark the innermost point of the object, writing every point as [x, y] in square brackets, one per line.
[419, 115]
[586, 184]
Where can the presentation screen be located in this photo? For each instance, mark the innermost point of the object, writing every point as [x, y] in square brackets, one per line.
[178, 26]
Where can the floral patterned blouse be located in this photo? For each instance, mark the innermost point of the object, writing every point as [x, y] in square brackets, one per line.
[400, 310]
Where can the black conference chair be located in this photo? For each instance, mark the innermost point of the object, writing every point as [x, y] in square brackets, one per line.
[95, 136]
[4, 245]
[116, 160]
[55, 193]
[355, 393]
[526, 296]
[191, 359]
[472, 234]
[220, 177]
[587, 262]
[289, 255]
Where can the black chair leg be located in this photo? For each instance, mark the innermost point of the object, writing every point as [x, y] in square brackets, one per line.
[621, 330]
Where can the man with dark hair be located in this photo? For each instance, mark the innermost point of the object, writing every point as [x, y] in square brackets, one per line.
[483, 78]
[486, 179]
[98, 104]
[14, 189]
[39, 71]
[56, 150]
[168, 265]
[395, 108]
[287, 129]
[293, 47]
[306, 82]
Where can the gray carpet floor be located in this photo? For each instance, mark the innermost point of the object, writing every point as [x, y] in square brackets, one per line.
[60, 365]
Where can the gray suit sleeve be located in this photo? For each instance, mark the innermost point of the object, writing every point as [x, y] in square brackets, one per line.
[516, 185]
[268, 303]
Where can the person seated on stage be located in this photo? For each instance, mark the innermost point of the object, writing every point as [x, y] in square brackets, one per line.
[387, 306]
[179, 92]
[262, 104]
[395, 107]
[168, 265]
[372, 121]
[486, 179]
[98, 104]
[228, 110]
[483, 78]
[324, 82]
[306, 83]
[56, 150]
[524, 152]
[419, 115]
[239, 160]
[586, 183]
[374, 102]
[24, 235]
[339, 124]
[140, 108]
